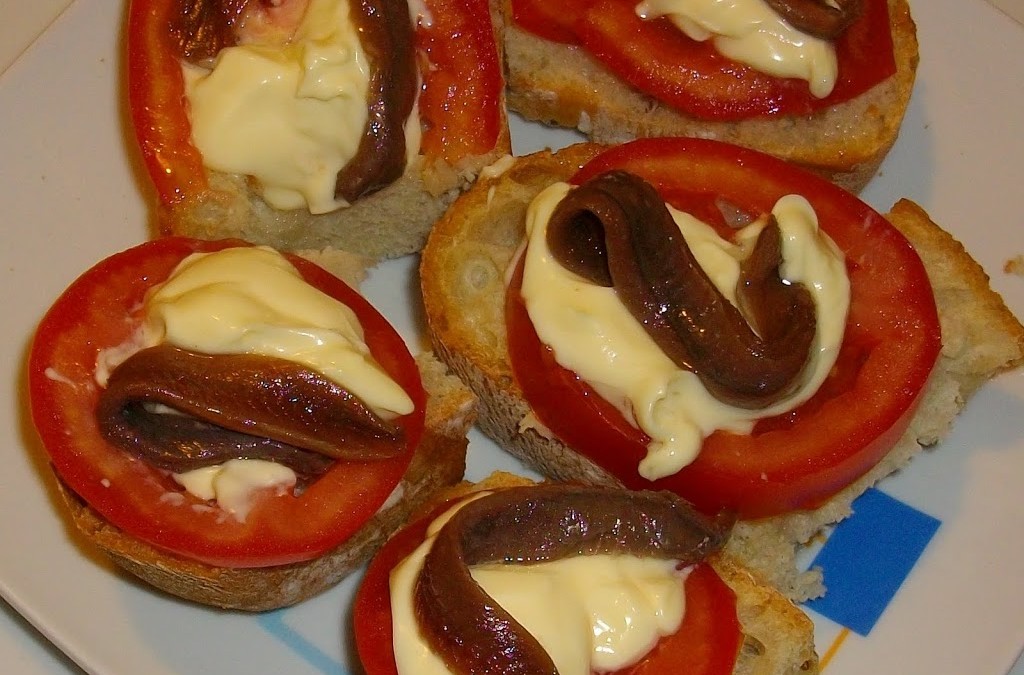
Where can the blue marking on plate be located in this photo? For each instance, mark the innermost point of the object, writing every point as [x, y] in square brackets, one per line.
[274, 623]
[868, 556]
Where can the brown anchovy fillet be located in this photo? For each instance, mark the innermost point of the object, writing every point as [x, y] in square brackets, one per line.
[386, 35]
[614, 230]
[818, 17]
[237, 406]
[204, 27]
[526, 525]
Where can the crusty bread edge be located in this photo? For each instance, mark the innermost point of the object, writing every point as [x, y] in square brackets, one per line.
[976, 345]
[778, 638]
[439, 462]
[845, 143]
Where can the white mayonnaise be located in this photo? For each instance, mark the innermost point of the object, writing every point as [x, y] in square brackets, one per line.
[751, 32]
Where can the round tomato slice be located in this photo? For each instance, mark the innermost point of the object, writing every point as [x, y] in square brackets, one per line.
[459, 100]
[707, 641]
[792, 461]
[693, 76]
[100, 310]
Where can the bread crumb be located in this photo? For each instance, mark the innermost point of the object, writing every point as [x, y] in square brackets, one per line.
[530, 421]
[1015, 265]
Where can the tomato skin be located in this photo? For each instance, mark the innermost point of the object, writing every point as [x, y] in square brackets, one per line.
[99, 311]
[692, 76]
[156, 99]
[792, 461]
[459, 100]
[708, 640]
[552, 21]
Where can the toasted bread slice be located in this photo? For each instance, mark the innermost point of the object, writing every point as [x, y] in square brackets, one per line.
[563, 85]
[388, 223]
[439, 462]
[778, 638]
[463, 274]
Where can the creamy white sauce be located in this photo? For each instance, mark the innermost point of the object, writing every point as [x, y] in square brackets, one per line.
[234, 483]
[751, 32]
[251, 300]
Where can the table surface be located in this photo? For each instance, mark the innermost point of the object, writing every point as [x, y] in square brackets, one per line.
[24, 650]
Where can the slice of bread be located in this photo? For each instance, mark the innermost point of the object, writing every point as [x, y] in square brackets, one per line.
[439, 461]
[778, 638]
[563, 85]
[386, 224]
[391, 222]
[463, 275]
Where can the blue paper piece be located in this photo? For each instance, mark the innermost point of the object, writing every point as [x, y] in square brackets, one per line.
[868, 556]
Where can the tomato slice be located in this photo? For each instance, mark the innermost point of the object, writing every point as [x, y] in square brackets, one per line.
[791, 461]
[99, 311]
[707, 641]
[460, 104]
[156, 99]
[459, 101]
[692, 76]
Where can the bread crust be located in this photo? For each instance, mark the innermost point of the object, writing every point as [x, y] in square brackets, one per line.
[439, 461]
[389, 223]
[778, 638]
[463, 278]
[846, 143]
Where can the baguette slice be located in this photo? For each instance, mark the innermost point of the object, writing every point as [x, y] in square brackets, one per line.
[778, 636]
[463, 277]
[439, 462]
[389, 223]
[563, 85]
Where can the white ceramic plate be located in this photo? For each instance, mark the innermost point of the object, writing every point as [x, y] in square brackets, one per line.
[70, 195]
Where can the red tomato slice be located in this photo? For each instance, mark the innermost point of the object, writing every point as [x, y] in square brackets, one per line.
[99, 311]
[692, 76]
[707, 641]
[459, 101]
[792, 461]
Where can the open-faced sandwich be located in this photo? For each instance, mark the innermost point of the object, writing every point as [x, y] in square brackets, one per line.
[507, 576]
[237, 426]
[313, 123]
[821, 83]
[688, 315]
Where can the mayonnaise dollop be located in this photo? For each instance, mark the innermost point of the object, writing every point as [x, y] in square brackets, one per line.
[751, 32]
[289, 115]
